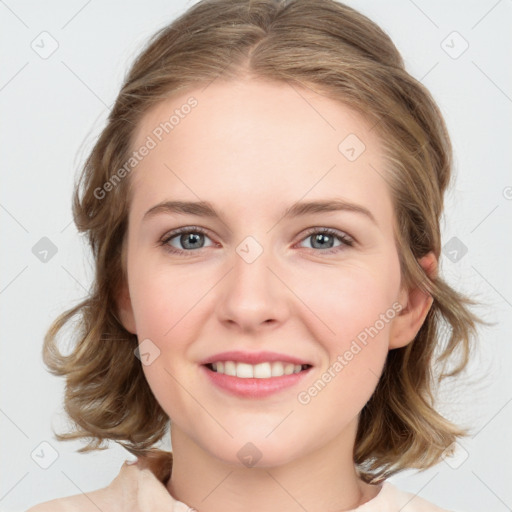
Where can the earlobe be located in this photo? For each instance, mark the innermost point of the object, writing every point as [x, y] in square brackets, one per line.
[125, 310]
[416, 305]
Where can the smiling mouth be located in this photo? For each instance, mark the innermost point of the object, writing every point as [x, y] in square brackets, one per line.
[266, 370]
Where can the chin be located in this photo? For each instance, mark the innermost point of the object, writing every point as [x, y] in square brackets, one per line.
[254, 451]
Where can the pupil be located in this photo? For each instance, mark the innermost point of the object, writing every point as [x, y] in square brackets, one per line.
[321, 237]
[190, 239]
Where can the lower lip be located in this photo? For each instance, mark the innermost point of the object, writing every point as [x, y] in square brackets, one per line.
[254, 388]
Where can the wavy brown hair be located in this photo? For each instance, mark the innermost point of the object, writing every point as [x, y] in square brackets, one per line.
[335, 51]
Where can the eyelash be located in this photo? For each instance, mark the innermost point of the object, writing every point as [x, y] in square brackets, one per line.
[345, 239]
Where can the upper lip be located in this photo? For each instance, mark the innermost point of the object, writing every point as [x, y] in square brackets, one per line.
[253, 357]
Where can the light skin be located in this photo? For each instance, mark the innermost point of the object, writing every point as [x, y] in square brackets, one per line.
[253, 148]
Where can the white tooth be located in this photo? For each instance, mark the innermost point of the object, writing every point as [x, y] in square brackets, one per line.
[244, 370]
[230, 368]
[277, 369]
[262, 371]
[259, 371]
[288, 368]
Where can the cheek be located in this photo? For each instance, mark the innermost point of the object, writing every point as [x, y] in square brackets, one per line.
[167, 310]
[355, 313]
[351, 302]
[162, 297]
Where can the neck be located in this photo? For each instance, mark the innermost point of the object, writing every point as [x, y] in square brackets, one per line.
[324, 479]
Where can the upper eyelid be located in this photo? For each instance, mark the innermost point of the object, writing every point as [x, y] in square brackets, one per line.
[304, 234]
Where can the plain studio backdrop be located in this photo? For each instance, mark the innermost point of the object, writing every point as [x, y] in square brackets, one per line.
[62, 66]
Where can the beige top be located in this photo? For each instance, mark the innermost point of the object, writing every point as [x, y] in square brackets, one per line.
[140, 487]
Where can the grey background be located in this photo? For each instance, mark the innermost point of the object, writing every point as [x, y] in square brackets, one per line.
[52, 109]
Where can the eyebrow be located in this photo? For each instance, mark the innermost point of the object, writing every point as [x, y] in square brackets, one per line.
[206, 209]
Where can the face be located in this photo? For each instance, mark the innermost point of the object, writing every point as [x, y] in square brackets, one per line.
[252, 278]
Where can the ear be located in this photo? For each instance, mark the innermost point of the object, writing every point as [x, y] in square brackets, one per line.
[125, 310]
[416, 305]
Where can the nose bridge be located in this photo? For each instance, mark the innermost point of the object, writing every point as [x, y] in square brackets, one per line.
[253, 294]
[251, 265]
[250, 249]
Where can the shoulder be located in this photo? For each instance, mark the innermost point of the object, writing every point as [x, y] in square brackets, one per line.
[107, 499]
[138, 486]
[393, 499]
[87, 502]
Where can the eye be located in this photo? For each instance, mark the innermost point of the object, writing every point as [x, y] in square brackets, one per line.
[191, 238]
[323, 238]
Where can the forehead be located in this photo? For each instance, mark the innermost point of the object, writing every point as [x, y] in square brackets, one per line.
[257, 143]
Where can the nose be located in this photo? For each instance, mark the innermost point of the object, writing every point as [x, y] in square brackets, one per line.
[253, 295]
